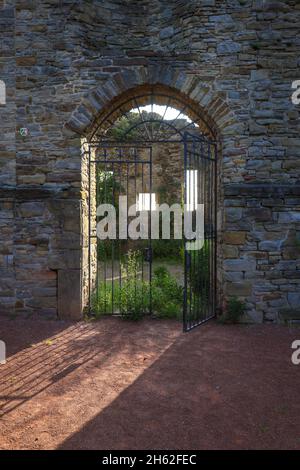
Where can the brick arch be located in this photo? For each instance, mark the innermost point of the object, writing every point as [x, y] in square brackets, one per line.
[206, 106]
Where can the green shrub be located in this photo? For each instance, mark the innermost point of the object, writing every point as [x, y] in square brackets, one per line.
[102, 298]
[235, 309]
[134, 292]
[166, 249]
[132, 298]
[169, 310]
[163, 280]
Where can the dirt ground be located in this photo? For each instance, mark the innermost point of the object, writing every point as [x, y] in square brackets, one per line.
[119, 385]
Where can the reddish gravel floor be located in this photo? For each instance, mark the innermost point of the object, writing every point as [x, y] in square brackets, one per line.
[120, 385]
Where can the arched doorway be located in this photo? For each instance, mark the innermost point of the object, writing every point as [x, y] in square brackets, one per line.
[152, 146]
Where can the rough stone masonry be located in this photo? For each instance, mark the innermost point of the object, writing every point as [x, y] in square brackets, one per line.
[64, 62]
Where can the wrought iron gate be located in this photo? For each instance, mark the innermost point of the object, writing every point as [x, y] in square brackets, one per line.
[119, 268]
[200, 160]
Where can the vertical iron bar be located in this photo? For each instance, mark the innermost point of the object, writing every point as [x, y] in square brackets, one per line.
[205, 225]
[184, 239]
[97, 202]
[112, 243]
[118, 241]
[189, 254]
[136, 251]
[127, 192]
[150, 239]
[198, 251]
[142, 192]
[210, 225]
[89, 229]
[215, 224]
[105, 244]
[202, 257]
[194, 311]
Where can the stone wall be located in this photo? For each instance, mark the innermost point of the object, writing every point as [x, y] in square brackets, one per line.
[167, 172]
[262, 248]
[65, 62]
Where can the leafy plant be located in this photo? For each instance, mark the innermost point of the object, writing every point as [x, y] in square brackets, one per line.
[166, 249]
[132, 296]
[235, 309]
[167, 294]
[134, 292]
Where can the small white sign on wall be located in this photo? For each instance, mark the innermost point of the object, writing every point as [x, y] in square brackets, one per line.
[2, 352]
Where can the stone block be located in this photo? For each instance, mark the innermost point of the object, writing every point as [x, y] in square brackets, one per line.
[290, 253]
[228, 47]
[65, 259]
[294, 299]
[41, 302]
[31, 209]
[32, 179]
[69, 294]
[270, 245]
[256, 316]
[167, 32]
[242, 288]
[232, 276]
[289, 216]
[260, 214]
[67, 240]
[234, 238]
[233, 214]
[242, 264]
[257, 75]
[229, 251]
[258, 164]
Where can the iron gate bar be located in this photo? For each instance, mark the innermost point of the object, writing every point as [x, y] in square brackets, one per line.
[145, 121]
[150, 239]
[185, 251]
[89, 228]
[120, 161]
[148, 144]
[216, 222]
